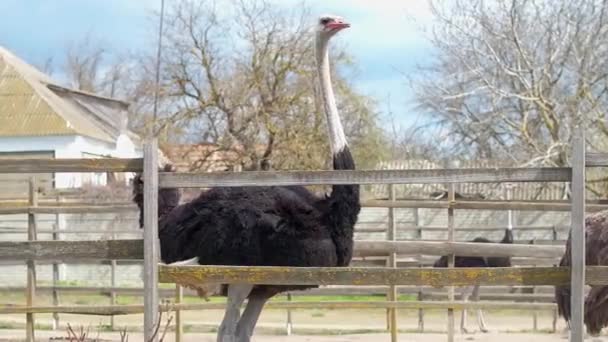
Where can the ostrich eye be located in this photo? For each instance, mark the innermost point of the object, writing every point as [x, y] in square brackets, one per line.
[325, 21]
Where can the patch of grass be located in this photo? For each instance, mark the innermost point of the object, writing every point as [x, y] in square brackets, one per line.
[8, 325]
[42, 326]
[103, 328]
[317, 314]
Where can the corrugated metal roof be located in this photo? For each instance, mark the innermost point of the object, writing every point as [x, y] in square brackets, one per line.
[22, 111]
[32, 105]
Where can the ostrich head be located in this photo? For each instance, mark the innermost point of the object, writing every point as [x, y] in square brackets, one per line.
[330, 25]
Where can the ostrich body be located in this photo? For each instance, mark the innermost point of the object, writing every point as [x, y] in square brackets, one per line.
[265, 226]
[596, 254]
[468, 261]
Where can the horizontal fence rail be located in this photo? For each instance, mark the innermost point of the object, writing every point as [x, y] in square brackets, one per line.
[480, 205]
[81, 208]
[382, 247]
[132, 249]
[432, 176]
[71, 165]
[427, 292]
[64, 209]
[596, 159]
[72, 250]
[34, 165]
[110, 310]
[596, 275]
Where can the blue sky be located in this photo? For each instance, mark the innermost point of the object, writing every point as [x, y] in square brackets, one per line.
[385, 36]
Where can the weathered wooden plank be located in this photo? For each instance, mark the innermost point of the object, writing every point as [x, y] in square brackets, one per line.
[380, 247]
[151, 243]
[107, 310]
[71, 250]
[68, 232]
[132, 249]
[80, 208]
[481, 205]
[430, 293]
[431, 176]
[596, 159]
[89, 209]
[577, 298]
[50, 202]
[71, 165]
[598, 275]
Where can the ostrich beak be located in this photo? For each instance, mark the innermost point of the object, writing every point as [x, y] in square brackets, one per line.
[337, 25]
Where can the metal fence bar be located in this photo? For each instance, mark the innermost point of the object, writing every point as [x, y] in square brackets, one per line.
[577, 332]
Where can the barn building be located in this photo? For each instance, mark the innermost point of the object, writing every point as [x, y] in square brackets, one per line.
[41, 119]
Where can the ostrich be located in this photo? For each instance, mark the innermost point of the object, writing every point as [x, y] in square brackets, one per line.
[265, 226]
[596, 254]
[468, 261]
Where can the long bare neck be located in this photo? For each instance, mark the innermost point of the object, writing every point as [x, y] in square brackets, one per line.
[344, 205]
[337, 139]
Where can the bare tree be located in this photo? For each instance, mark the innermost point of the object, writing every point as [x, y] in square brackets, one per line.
[83, 60]
[510, 78]
[243, 78]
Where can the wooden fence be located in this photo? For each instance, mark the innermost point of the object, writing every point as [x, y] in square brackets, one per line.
[365, 255]
[577, 276]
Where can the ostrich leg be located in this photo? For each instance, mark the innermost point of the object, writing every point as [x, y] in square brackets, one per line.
[237, 293]
[244, 328]
[480, 320]
[463, 315]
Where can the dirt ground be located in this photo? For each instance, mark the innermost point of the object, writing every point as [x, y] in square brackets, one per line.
[16, 335]
[311, 326]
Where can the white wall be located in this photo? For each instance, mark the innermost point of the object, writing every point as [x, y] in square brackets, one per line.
[73, 146]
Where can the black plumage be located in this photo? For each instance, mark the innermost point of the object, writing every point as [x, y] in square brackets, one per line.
[259, 226]
[596, 254]
[265, 226]
[477, 261]
[471, 261]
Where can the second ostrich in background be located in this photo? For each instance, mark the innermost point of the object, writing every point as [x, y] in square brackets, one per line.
[596, 254]
[266, 226]
[465, 261]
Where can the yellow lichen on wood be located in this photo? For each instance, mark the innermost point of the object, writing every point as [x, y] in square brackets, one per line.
[376, 276]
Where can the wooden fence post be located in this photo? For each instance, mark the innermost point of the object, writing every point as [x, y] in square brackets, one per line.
[55, 293]
[151, 244]
[392, 263]
[179, 324]
[451, 258]
[555, 315]
[31, 265]
[112, 292]
[577, 332]
[420, 289]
